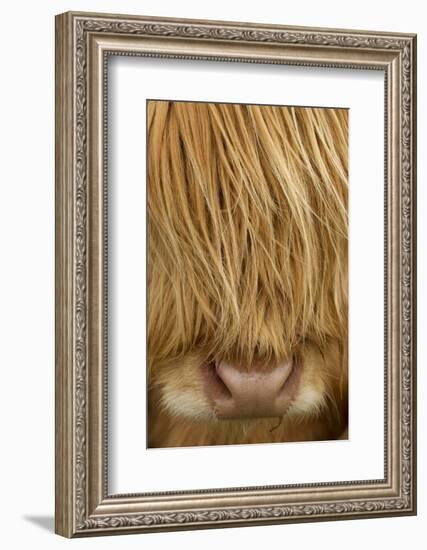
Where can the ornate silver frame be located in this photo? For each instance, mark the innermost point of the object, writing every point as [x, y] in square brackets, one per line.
[83, 42]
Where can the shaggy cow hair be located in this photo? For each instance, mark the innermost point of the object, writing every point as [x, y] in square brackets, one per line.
[247, 263]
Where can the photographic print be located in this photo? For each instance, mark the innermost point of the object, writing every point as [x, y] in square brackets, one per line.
[247, 273]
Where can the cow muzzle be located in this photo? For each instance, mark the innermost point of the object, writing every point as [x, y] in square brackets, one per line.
[238, 391]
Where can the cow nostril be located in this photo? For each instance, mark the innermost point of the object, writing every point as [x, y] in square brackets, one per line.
[217, 386]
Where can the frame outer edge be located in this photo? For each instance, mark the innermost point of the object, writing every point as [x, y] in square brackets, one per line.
[413, 159]
[64, 237]
[73, 400]
[248, 25]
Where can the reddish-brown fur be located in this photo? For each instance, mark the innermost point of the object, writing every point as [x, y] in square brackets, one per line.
[247, 263]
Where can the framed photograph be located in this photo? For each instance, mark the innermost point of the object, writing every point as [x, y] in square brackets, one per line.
[235, 274]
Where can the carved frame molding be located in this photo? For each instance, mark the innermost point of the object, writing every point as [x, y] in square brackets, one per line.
[83, 43]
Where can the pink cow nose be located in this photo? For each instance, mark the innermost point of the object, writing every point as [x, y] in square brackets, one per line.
[238, 392]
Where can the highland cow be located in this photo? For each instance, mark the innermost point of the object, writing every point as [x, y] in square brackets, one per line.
[247, 273]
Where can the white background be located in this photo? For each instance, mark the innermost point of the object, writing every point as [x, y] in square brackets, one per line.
[27, 275]
[133, 468]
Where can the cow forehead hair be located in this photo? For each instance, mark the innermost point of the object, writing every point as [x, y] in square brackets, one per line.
[248, 225]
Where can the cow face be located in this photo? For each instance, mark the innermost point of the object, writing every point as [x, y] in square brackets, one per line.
[247, 273]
